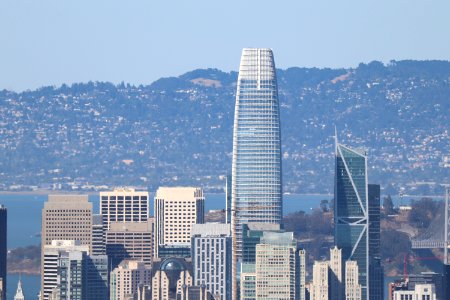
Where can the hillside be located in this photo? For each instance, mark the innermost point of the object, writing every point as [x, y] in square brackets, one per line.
[178, 130]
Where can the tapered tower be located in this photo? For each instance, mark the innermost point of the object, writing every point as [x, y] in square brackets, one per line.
[256, 169]
[351, 213]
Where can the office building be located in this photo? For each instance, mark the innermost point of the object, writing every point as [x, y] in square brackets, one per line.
[256, 165]
[336, 274]
[126, 278]
[211, 258]
[177, 209]
[124, 205]
[352, 286]
[3, 250]
[98, 236]
[276, 274]
[169, 278]
[19, 292]
[351, 210]
[65, 217]
[272, 265]
[376, 272]
[420, 291]
[49, 266]
[130, 240]
[320, 285]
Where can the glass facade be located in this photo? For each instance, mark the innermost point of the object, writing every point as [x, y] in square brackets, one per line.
[256, 167]
[351, 210]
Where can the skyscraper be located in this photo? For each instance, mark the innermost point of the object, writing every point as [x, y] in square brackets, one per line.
[3, 251]
[376, 276]
[65, 217]
[177, 209]
[256, 168]
[124, 205]
[126, 278]
[211, 258]
[352, 286]
[131, 240]
[351, 210]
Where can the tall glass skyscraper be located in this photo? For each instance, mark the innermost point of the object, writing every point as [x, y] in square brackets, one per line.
[351, 210]
[256, 169]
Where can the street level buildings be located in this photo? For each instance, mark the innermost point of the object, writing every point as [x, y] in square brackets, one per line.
[256, 194]
[177, 209]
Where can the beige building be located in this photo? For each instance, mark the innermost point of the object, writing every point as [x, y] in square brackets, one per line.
[130, 240]
[352, 286]
[421, 291]
[320, 284]
[335, 280]
[51, 254]
[124, 205]
[65, 217]
[176, 210]
[127, 277]
[162, 287]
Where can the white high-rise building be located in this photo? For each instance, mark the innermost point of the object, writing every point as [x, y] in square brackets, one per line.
[177, 209]
[352, 286]
[256, 194]
[335, 280]
[320, 285]
[124, 205]
[211, 258]
[51, 255]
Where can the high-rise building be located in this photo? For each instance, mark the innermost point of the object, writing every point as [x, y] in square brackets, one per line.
[256, 167]
[276, 274]
[50, 263]
[65, 217]
[211, 258]
[3, 250]
[19, 292]
[124, 205]
[131, 240]
[351, 232]
[272, 265]
[320, 285]
[98, 235]
[336, 274]
[376, 273]
[126, 278]
[352, 286]
[177, 209]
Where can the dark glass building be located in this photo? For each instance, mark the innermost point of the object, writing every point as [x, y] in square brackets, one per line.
[351, 211]
[376, 276]
[3, 231]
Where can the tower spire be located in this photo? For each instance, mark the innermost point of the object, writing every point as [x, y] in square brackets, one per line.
[19, 293]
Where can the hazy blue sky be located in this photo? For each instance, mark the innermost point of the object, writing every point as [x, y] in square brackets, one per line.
[44, 42]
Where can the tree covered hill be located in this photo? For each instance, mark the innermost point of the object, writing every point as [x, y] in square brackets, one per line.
[178, 130]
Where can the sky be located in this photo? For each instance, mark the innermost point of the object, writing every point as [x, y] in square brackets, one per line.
[50, 42]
